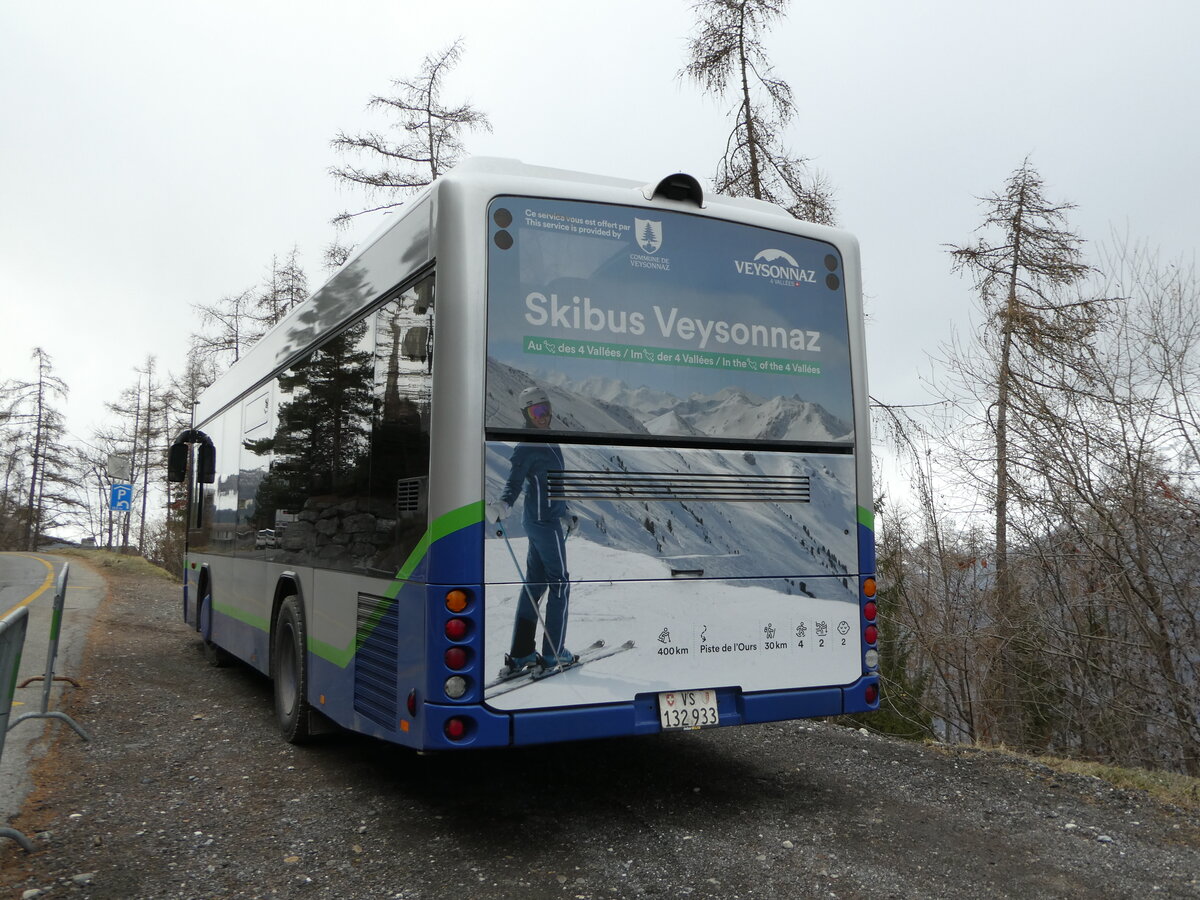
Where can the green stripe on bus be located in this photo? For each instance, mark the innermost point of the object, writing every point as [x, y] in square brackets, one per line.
[242, 616]
[866, 519]
[453, 521]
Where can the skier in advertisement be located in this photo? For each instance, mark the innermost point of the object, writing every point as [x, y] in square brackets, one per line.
[547, 523]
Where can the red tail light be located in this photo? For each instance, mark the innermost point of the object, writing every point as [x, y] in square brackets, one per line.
[456, 728]
[871, 693]
[871, 634]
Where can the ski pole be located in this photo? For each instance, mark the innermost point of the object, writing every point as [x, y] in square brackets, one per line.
[537, 606]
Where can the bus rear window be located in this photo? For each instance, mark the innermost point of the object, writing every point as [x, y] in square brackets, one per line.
[668, 326]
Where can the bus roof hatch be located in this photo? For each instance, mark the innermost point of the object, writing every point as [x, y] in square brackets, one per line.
[679, 186]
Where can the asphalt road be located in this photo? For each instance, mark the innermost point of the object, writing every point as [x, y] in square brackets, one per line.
[28, 579]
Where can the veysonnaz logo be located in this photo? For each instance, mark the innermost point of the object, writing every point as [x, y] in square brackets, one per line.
[778, 265]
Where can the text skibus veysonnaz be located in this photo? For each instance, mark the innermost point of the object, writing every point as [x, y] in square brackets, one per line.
[608, 440]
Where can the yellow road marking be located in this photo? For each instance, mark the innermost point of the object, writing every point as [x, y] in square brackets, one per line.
[46, 585]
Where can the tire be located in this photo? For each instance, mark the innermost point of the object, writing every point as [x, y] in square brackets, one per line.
[289, 671]
[217, 657]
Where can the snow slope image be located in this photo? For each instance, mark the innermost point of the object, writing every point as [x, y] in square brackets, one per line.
[685, 634]
[722, 566]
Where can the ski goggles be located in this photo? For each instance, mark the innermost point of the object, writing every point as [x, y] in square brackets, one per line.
[538, 410]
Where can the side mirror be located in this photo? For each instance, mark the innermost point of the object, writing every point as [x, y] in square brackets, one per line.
[206, 458]
[177, 460]
[207, 463]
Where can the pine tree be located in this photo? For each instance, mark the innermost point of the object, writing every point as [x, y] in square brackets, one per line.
[648, 237]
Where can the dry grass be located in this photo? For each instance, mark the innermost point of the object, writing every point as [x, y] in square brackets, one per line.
[1169, 787]
[1166, 787]
[125, 563]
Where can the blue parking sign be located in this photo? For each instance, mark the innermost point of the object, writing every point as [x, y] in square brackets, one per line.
[122, 498]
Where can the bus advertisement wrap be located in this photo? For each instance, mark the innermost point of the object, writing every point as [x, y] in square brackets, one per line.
[648, 512]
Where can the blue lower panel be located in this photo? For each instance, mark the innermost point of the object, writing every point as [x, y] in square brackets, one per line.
[247, 643]
[641, 716]
[779, 705]
[573, 723]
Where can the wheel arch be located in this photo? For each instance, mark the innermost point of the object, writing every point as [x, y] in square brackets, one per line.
[203, 588]
[288, 664]
[287, 585]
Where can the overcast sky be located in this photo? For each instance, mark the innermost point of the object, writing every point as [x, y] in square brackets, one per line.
[158, 155]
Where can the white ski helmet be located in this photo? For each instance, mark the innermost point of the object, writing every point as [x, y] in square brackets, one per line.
[532, 396]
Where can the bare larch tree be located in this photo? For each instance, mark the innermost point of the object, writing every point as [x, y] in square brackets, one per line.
[430, 137]
[227, 328]
[1024, 264]
[727, 56]
[285, 288]
[49, 485]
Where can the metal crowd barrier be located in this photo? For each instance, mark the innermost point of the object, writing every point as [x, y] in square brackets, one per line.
[60, 597]
[12, 639]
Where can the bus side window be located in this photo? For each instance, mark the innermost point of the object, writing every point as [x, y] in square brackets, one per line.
[400, 431]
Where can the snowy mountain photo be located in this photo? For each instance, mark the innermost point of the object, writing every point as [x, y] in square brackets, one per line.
[726, 513]
[643, 410]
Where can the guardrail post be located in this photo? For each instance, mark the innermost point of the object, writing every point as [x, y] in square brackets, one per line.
[12, 639]
[60, 595]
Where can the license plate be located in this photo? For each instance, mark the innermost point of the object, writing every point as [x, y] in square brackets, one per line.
[685, 710]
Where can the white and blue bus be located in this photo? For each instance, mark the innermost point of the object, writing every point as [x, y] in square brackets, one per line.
[552, 456]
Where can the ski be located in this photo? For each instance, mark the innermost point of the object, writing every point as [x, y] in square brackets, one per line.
[604, 654]
[526, 674]
[589, 655]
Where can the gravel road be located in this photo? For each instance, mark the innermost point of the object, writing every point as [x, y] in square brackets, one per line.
[188, 792]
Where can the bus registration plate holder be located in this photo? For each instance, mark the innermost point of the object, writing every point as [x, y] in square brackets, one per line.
[687, 710]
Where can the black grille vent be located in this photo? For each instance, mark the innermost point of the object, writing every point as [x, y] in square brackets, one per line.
[377, 660]
[659, 486]
[408, 494]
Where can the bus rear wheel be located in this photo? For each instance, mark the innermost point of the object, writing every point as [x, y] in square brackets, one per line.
[289, 670]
